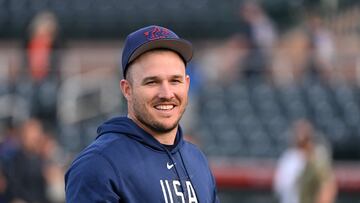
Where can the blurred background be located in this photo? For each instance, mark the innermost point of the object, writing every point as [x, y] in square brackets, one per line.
[260, 68]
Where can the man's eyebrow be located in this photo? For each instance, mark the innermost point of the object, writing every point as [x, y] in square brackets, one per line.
[177, 76]
[155, 78]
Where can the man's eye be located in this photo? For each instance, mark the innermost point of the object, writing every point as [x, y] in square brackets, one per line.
[150, 83]
[176, 81]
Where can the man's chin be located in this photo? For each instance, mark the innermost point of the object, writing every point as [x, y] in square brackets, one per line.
[164, 128]
[164, 125]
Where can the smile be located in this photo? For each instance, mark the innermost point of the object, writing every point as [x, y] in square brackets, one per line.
[165, 107]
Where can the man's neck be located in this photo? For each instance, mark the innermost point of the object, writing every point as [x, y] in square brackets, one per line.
[167, 138]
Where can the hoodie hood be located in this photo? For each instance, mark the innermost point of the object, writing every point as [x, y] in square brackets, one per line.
[124, 126]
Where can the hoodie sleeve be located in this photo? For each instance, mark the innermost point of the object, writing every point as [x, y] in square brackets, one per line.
[91, 178]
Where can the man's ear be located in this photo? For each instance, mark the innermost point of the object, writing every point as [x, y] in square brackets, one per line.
[125, 88]
[187, 79]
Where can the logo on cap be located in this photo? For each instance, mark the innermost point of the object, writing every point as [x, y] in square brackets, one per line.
[157, 33]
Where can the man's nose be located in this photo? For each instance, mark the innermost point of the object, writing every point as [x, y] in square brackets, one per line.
[166, 91]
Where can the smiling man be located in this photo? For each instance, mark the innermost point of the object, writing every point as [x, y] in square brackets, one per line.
[143, 157]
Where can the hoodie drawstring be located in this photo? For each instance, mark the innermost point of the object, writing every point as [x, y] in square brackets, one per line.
[176, 170]
[187, 173]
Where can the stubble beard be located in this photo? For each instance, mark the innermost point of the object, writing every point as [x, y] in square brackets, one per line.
[142, 115]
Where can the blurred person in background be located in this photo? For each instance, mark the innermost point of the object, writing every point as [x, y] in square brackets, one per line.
[10, 140]
[9, 145]
[220, 64]
[25, 169]
[261, 36]
[55, 159]
[322, 47]
[189, 119]
[317, 182]
[304, 173]
[3, 185]
[260, 27]
[289, 169]
[39, 76]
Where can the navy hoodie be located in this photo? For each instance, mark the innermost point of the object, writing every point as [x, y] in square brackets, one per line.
[126, 164]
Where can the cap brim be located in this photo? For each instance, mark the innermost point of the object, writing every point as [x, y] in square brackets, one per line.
[182, 47]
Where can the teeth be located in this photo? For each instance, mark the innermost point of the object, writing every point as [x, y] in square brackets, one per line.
[164, 107]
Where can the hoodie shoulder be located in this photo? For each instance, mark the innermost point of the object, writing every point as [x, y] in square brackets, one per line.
[194, 150]
[110, 144]
[192, 146]
[88, 169]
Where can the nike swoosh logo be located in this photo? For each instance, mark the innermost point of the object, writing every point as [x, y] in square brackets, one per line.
[169, 166]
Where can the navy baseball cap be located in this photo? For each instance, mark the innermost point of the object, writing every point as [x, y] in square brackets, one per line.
[153, 37]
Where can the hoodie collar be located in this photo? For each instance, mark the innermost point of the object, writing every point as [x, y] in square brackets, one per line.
[125, 126]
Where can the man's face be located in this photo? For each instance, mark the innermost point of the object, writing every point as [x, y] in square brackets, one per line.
[157, 90]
